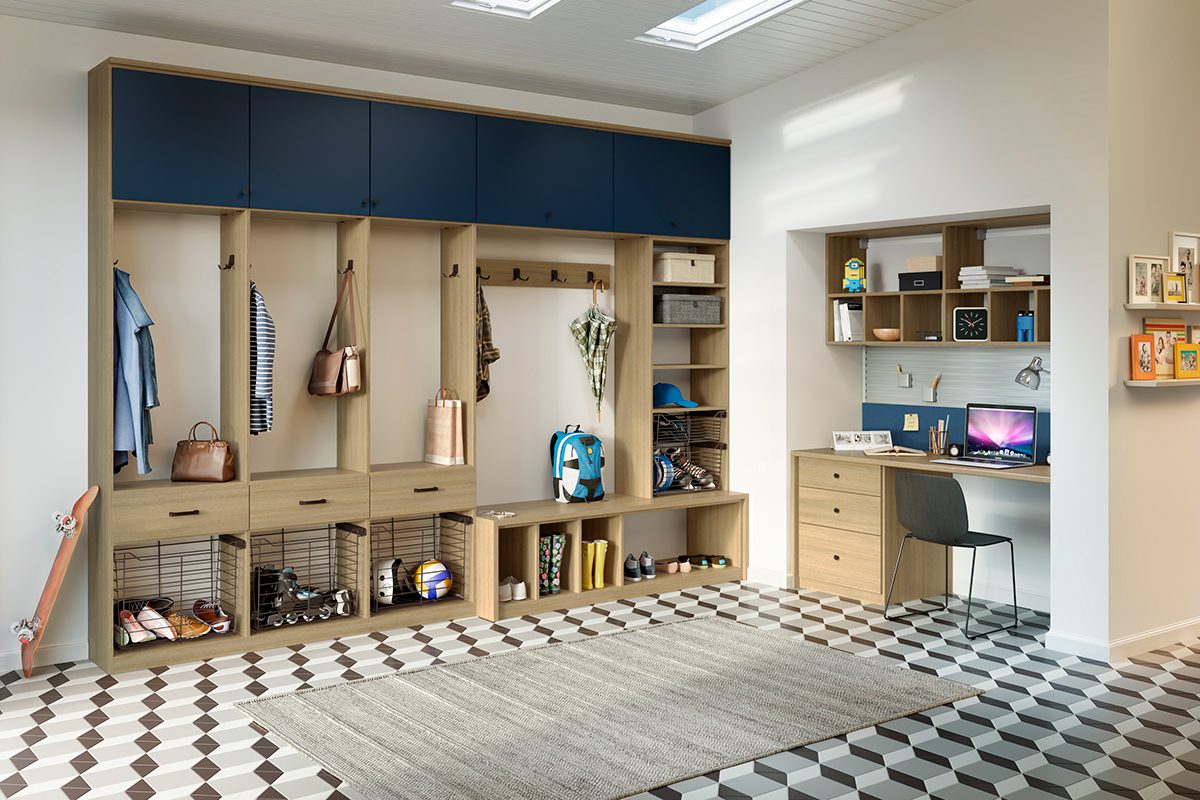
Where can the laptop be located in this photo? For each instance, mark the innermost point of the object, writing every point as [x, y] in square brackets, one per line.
[998, 437]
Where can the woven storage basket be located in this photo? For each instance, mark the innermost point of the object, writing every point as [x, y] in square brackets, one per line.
[689, 309]
[684, 267]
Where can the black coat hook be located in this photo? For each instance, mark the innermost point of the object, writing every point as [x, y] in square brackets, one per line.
[228, 265]
[116, 261]
[349, 267]
[453, 272]
[517, 275]
[554, 277]
[479, 274]
[591, 277]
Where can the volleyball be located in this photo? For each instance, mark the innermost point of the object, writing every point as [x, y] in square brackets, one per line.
[433, 580]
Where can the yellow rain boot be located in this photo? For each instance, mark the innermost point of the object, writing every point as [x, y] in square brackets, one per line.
[589, 558]
[598, 577]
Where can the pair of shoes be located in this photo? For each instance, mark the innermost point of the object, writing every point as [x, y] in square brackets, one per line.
[668, 565]
[149, 624]
[689, 475]
[210, 614]
[638, 568]
[685, 564]
[550, 557]
[512, 589]
[594, 553]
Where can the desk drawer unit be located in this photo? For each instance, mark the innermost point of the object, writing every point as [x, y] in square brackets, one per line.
[179, 510]
[833, 509]
[840, 558]
[822, 473]
[315, 500]
[427, 490]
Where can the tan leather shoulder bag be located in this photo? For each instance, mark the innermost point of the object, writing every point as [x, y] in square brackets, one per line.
[338, 372]
[203, 459]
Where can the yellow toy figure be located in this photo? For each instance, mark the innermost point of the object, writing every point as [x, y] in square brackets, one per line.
[856, 276]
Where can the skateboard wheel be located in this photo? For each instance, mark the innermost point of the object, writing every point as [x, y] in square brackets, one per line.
[24, 634]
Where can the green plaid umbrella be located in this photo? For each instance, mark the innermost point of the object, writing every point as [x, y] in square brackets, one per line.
[593, 332]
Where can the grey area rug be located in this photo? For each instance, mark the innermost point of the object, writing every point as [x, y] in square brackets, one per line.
[601, 718]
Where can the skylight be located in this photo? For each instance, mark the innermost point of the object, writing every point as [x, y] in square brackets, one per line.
[713, 20]
[520, 9]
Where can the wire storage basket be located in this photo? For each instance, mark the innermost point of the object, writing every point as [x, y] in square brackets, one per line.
[303, 575]
[171, 591]
[689, 451]
[419, 560]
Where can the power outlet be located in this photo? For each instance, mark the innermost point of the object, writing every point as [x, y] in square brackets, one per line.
[912, 422]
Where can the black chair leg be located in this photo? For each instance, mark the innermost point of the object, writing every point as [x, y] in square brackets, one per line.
[892, 585]
[1012, 560]
[970, 594]
[971, 590]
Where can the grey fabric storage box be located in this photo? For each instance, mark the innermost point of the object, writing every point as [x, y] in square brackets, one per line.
[687, 309]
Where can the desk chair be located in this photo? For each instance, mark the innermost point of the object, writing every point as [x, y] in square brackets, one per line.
[932, 508]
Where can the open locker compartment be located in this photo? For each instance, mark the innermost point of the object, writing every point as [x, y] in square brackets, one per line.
[420, 560]
[301, 575]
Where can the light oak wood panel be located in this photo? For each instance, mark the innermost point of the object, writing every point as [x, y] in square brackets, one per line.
[354, 410]
[662, 584]
[531, 511]
[235, 338]
[487, 566]
[1042, 315]
[839, 558]
[459, 344]
[100, 354]
[151, 510]
[1039, 473]
[721, 530]
[421, 488]
[632, 362]
[308, 498]
[838, 476]
[517, 556]
[834, 509]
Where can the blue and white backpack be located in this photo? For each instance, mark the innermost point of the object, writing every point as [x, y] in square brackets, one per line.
[576, 459]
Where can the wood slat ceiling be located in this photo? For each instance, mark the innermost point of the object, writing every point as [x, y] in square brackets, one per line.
[578, 48]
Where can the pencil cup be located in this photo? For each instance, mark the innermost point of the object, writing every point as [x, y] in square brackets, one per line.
[937, 442]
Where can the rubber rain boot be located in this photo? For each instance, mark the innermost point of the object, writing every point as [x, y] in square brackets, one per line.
[598, 571]
[589, 558]
[557, 543]
[545, 563]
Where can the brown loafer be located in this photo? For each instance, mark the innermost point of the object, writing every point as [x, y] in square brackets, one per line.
[187, 627]
[212, 615]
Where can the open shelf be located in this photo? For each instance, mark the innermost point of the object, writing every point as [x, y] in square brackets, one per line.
[678, 410]
[686, 285]
[711, 325]
[1163, 383]
[672, 367]
[1188, 307]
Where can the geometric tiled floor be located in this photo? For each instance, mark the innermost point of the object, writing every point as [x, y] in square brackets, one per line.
[1048, 725]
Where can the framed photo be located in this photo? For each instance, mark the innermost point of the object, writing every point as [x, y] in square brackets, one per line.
[1174, 287]
[1187, 360]
[1166, 333]
[1145, 278]
[1141, 357]
[1194, 334]
[1184, 251]
[861, 440]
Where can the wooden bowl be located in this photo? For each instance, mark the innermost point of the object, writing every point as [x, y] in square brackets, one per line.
[886, 334]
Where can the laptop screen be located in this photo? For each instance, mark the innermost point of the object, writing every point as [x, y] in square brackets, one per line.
[1004, 432]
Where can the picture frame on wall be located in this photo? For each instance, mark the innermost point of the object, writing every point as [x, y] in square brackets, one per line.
[1166, 333]
[1175, 287]
[1187, 361]
[1145, 278]
[1141, 357]
[1184, 252]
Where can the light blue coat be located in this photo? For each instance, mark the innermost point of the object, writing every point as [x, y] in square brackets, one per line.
[135, 381]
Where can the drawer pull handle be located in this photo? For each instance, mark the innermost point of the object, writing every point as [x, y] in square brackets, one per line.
[836, 557]
[837, 476]
[320, 502]
[837, 511]
[193, 513]
[424, 489]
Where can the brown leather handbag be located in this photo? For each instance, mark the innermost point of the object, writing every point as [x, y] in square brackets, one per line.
[203, 459]
[337, 372]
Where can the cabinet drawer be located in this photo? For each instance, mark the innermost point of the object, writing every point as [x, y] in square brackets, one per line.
[422, 489]
[838, 509]
[843, 558]
[309, 500]
[841, 475]
[174, 510]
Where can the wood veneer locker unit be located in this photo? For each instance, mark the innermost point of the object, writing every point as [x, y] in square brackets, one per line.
[632, 366]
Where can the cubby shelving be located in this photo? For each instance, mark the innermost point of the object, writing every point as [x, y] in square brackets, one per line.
[358, 491]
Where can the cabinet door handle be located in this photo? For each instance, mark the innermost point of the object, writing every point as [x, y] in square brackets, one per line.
[322, 501]
[836, 557]
[423, 489]
[193, 513]
[837, 476]
[837, 510]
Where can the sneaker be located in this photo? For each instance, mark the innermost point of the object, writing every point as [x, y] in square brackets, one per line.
[506, 587]
[134, 631]
[187, 626]
[668, 565]
[153, 621]
[701, 478]
[685, 564]
[633, 572]
[718, 562]
[647, 565]
[212, 616]
[700, 562]
[519, 592]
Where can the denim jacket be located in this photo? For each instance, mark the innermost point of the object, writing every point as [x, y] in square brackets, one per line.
[134, 380]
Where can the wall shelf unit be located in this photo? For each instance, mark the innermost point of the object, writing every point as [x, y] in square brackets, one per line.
[1180, 307]
[1172, 383]
[365, 495]
[915, 312]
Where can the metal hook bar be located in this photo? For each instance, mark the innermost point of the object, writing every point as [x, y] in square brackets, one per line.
[228, 265]
[349, 267]
[479, 274]
[554, 277]
[453, 272]
[517, 275]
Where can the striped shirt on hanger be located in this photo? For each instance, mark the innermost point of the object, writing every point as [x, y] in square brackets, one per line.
[262, 364]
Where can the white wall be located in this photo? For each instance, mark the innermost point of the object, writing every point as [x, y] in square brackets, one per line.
[43, 268]
[980, 109]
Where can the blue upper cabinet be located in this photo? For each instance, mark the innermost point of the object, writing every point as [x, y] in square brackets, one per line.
[670, 187]
[544, 175]
[309, 152]
[422, 163]
[180, 140]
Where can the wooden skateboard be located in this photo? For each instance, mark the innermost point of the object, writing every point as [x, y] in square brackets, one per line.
[70, 527]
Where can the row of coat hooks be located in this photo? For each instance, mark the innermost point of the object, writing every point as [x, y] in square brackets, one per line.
[551, 274]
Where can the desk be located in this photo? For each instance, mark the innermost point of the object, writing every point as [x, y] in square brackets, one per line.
[845, 532]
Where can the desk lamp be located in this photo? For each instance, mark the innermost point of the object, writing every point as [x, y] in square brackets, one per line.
[1031, 376]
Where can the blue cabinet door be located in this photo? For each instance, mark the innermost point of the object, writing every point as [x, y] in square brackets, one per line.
[538, 174]
[180, 140]
[670, 187]
[422, 163]
[309, 152]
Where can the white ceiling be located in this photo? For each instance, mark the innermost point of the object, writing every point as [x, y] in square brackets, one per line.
[577, 48]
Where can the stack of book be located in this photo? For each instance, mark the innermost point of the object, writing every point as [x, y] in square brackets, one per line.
[847, 321]
[985, 277]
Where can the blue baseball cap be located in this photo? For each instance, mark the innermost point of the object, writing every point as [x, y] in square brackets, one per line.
[668, 394]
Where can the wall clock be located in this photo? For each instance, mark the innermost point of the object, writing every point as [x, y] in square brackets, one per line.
[970, 324]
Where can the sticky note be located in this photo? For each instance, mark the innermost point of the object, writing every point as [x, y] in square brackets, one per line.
[911, 422]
